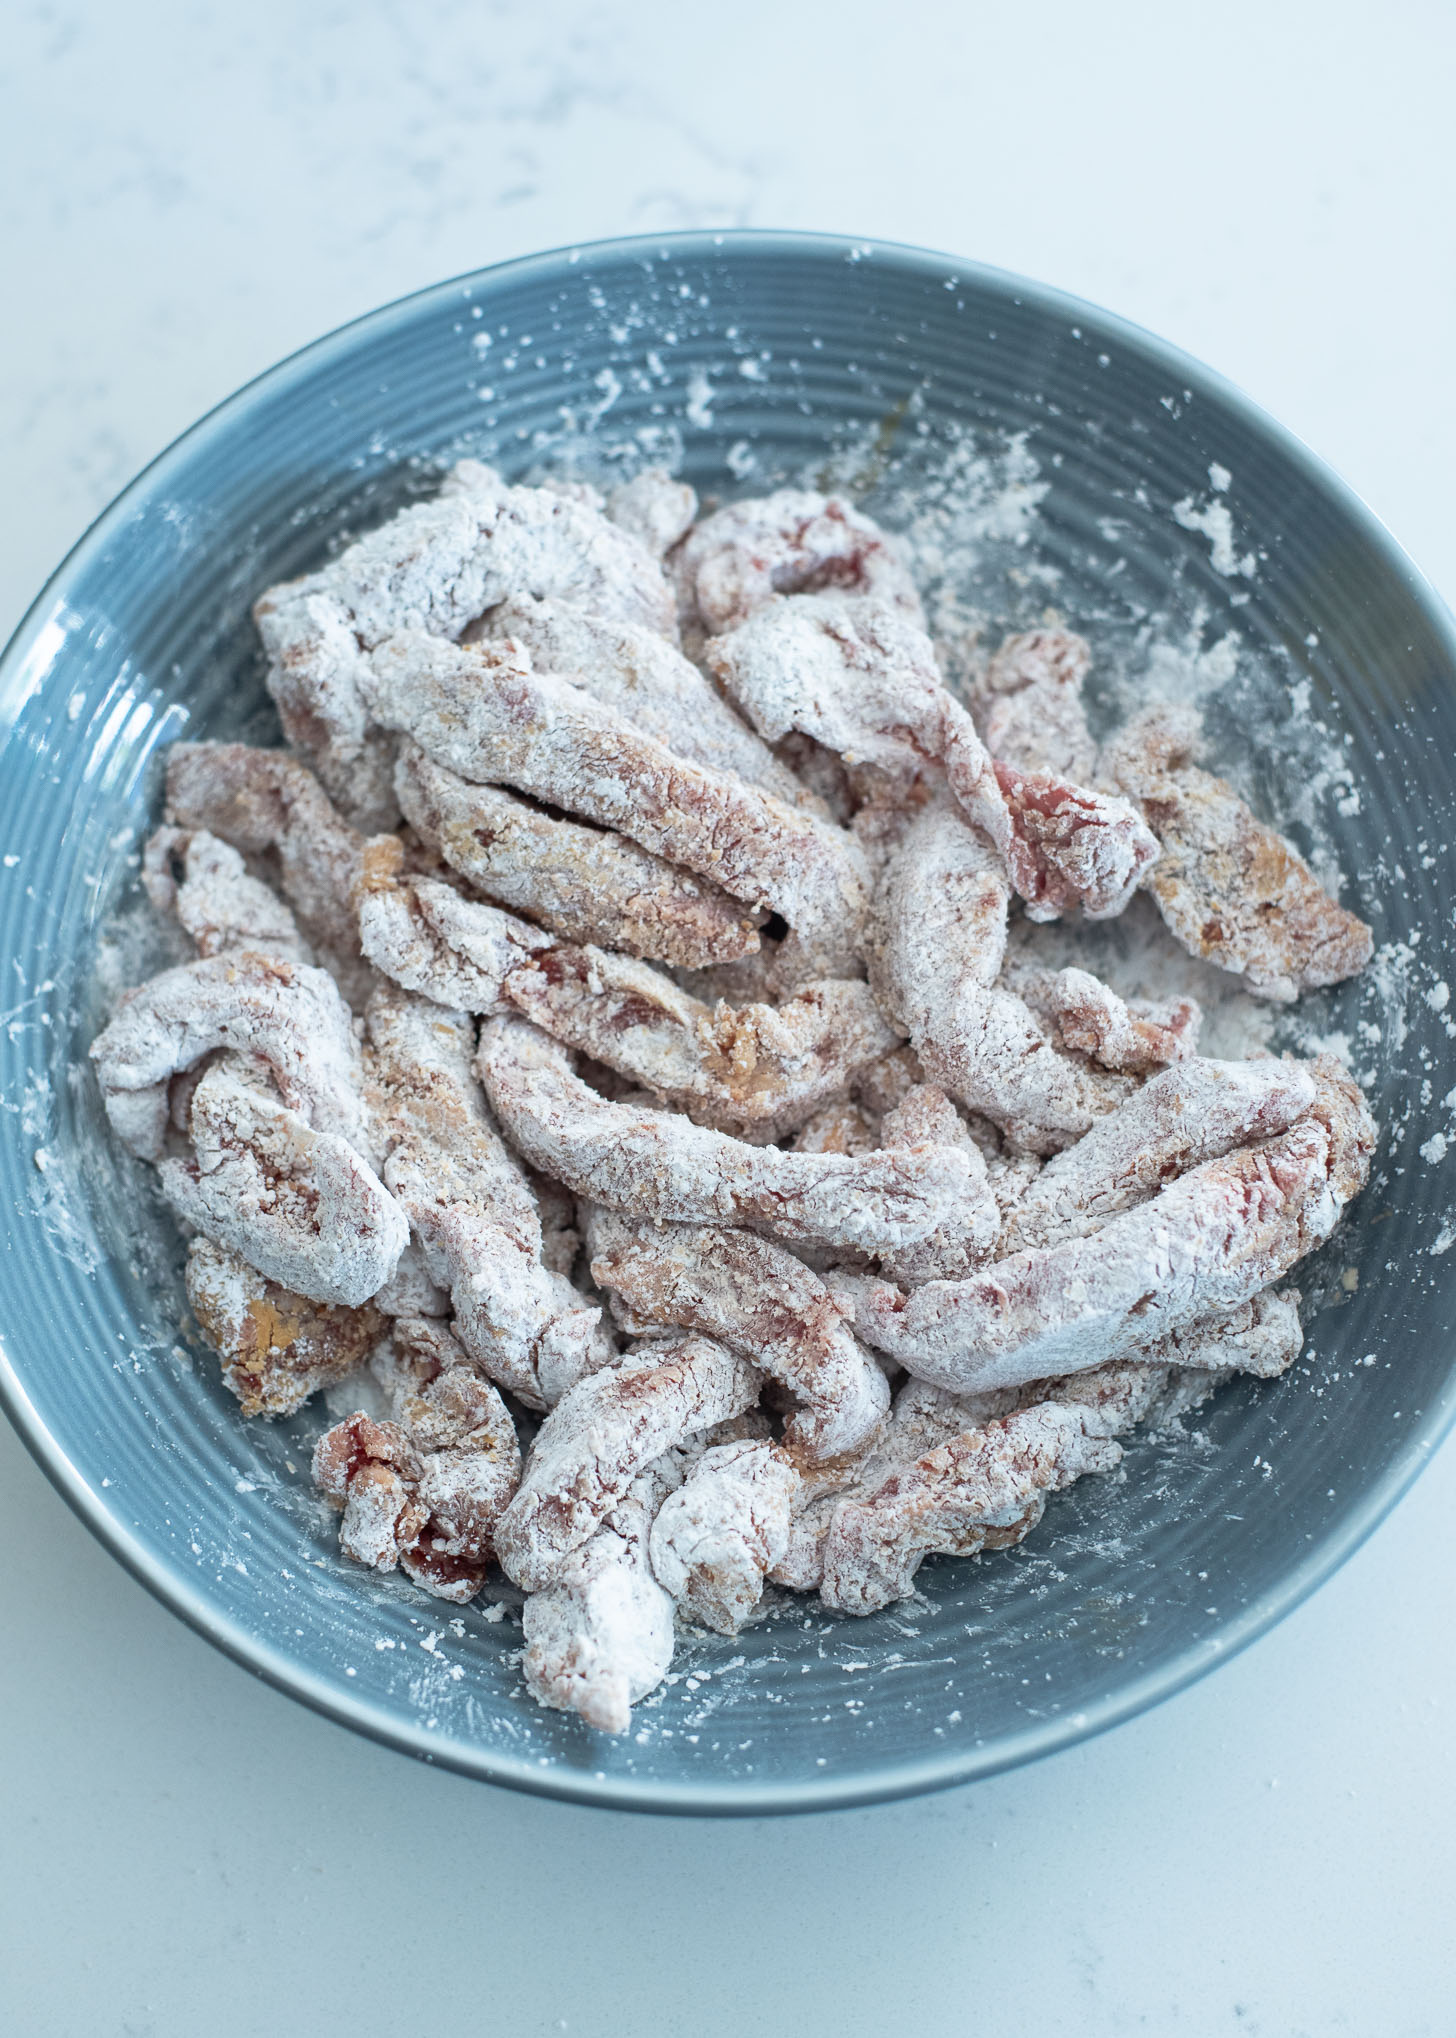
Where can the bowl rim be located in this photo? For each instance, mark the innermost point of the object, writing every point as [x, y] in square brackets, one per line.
[952, 1765]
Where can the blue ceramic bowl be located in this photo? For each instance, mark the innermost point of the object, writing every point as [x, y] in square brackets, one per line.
[1046, 453]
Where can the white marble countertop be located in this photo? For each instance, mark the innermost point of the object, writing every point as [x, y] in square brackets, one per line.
[189, 193]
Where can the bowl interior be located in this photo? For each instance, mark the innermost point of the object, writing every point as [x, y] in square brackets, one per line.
[1042, 457]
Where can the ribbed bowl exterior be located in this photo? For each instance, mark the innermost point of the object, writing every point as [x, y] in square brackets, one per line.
[749, 358]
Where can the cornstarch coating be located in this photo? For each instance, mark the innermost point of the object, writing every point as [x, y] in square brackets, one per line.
[277, 1348]
[585, 884]
[760, 1301]
[989, 1483]
[301, 1206]
[758, 1070]
[1028, 704]
[941, 941]
[205, 883]
[265, 800]
[288, 1015]
[837, 1128]
[425, 936]
[621, 1071]
[1180, 1118]
[436, 567]
[604, 1432]
[1230, 889]
[653, 1163]
[724, 1528]
[860, 677]
[1210, 1239]
[654, 508]
[426, 1490]
[648, 680]
[926, 1118]
[959, 1474]
[482, 712]
[601, 1636]
[794, 542]
[471, 1208]
[1131, 1037]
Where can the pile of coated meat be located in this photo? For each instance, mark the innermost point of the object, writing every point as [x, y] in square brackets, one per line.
[604, 1045]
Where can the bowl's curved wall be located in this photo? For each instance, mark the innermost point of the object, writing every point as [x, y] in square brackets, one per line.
[1082, 452]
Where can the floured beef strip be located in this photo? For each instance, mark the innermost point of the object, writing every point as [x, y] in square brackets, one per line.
[899, 1502]
[757, 1070]
[941, 936]
[1230, 889]
[653, 1163]
[657, 510]
[425, 936]
[584, 884]
[647, 679]
[1128, 1035]
[984, 1489]
[1189, 1114]
[1209, 1240]
[724, 1528]
[424, 1491]
[481, 711]
[759, 1300]
[277, 1347]
[861, 678]
[289, 1015]
[265, 800]
[206, 884]
[602, 1434]
[471, 1208]
[434, 567]
[793, 542]
[301, 1206]
[1028, 704]
[925, 1119]
[857, 676]
[601, 1636]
